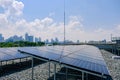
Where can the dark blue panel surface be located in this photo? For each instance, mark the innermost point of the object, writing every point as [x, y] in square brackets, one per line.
[10, 53]
[82, 56]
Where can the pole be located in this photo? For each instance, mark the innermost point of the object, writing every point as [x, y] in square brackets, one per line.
[32, 68]
[20, 60]
[12, 61]
[6, 62]
[64, 23]
[86, 76]
[54, 71]
[0, 63]
[26, 58]
[66, 73]
[102, 76]
[49, 69]
[0, 68]
[82, 75]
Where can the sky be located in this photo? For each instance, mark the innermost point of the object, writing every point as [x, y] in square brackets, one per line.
[85, 19]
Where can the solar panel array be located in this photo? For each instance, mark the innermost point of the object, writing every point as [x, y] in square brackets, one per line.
[10, 53]
[83, 56]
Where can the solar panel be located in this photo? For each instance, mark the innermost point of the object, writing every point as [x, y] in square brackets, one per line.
[10, 53]
[42, 52]
[81, 56]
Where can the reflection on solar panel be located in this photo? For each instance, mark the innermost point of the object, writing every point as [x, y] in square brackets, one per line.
[9, 54]
[83, 56]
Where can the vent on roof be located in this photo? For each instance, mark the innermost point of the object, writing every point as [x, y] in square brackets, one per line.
[115, 57]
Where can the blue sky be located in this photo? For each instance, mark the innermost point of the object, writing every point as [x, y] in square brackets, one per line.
[92, 16]
[95, 13]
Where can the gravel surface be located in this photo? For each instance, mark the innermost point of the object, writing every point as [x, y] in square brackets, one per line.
[41, 71]
[113, 64]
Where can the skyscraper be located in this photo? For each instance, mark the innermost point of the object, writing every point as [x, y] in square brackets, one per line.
[56, 40]
[40, 39]
[1, 38]
[14, 38]
[37, 39]
[46, 41]
[52, 41]
[28, 38]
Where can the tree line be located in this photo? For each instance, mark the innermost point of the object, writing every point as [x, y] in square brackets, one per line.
[21, 44]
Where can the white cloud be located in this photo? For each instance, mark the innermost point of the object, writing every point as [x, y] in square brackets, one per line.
[17, 8]
[6, 3]
[75, 22]
[46, 28]
[12, 9]
[3, 20]
[47, 21]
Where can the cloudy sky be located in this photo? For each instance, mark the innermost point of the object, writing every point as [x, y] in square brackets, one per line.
[85, 19]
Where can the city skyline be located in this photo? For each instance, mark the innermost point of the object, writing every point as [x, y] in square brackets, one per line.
[85, 20]
[27, 37]
[30, 38]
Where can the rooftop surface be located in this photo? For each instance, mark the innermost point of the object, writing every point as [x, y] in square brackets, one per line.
[113, 64]
[85, 53]
[41, 71]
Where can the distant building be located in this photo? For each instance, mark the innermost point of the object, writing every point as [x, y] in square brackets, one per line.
[68, 42]
[78, 41]
[52, 40]
[56, 40]
[40, 39]
[115, 39]
[14, 38]
[1, 38]
[37, 39]
[26, 37]
[46, 41]
[29, 38]
[104, 41]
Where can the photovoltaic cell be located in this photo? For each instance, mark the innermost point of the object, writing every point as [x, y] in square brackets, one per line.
[10, 53]
[81, 56]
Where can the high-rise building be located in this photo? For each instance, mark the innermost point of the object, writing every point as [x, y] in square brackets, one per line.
[52, 41]
[28, 38]
[40, 39]
[1, 38]
[78, 41]
[56, 40]
[37, 39]
[46, 41]
[14, 38]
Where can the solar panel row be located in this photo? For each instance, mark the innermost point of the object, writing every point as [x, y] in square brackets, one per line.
[10, 53]
[84, 56]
